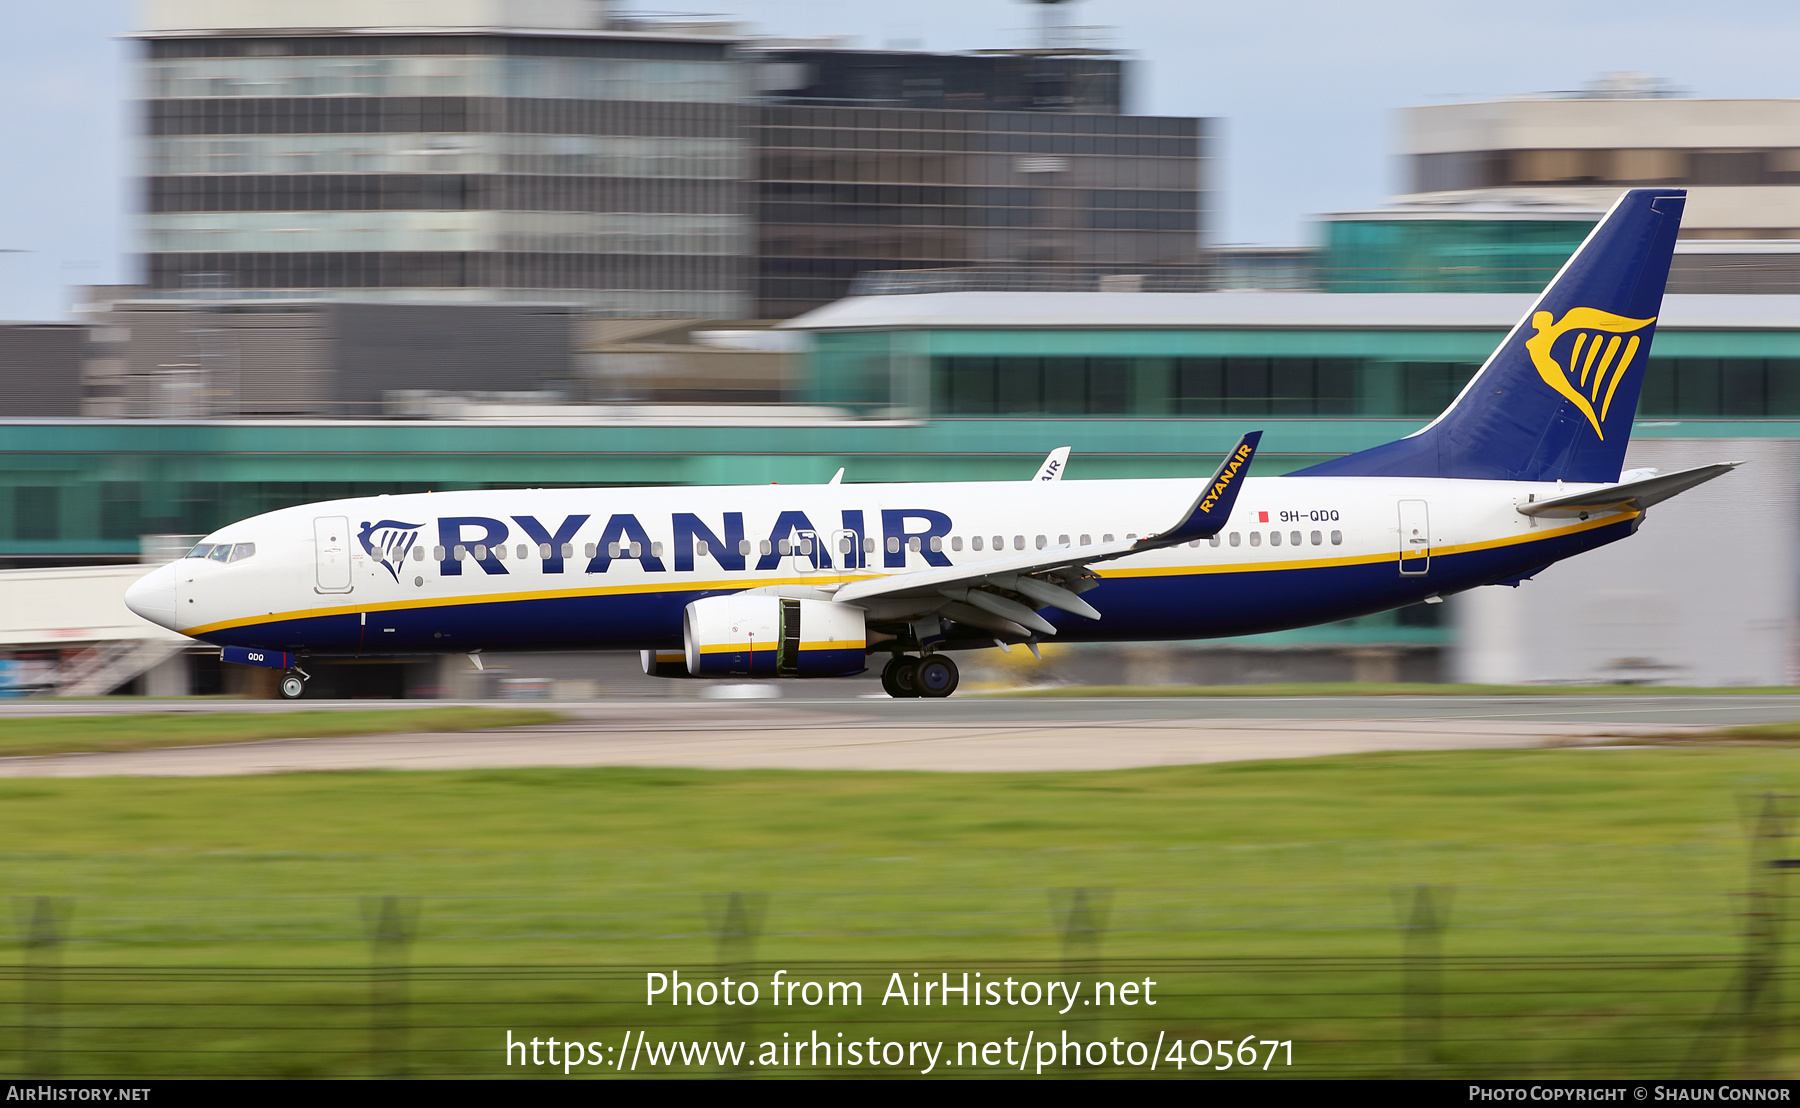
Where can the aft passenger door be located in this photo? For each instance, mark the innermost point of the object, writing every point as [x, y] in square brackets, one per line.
[331, 545]
[1415, 538]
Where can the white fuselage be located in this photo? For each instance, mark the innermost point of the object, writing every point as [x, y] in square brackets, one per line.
[460, 571]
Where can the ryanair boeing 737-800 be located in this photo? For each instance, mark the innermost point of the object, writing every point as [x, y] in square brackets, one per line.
[1522, 470]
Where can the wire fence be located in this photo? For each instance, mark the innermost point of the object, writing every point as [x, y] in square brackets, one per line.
[1400, 980]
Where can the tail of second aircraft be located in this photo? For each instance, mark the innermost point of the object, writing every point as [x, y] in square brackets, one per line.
[1556, 400]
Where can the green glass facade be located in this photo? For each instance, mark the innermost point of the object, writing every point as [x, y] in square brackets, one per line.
[1446, 255]
[1220, 373]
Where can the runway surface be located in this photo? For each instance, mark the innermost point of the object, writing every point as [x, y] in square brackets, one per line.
[967, 734]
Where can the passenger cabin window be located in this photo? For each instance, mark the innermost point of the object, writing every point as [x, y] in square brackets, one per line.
[937, 544]
[1042, 542]
[1337, 538]
[1294, 537]
[975, 543]
[1317, 538]
[418, 553]
[1214, 541]
[1256, 538]
[1087, 540]
[744, 546]
[956, 542]
[1106, 538]
[1274, 538]
[1018, 542]
[1235, 538]
[999, 542]
[242, 550]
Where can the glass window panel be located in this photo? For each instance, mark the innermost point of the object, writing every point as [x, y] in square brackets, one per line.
[1246, 386]
[37, 512]
[1784, 386]
[1658, 396]
[1109, 386]
[1291, 386]
[1199, 386]
[1020, 387]
[1742, 387]
[1335, 386]
[1065, 386]
[1697, 386]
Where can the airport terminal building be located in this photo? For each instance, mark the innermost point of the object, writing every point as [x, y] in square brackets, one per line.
[980, 385]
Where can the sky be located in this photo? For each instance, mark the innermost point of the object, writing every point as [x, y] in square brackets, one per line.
[1307, 90]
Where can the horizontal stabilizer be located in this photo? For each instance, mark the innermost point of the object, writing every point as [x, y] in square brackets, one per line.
[1632, 495]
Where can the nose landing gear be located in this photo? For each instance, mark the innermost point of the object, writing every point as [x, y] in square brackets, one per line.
[933, 676]
[293, 683]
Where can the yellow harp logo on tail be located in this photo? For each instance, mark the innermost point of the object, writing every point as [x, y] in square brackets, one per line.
[1596, 363]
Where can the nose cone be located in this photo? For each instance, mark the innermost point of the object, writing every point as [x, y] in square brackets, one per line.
[153, 597]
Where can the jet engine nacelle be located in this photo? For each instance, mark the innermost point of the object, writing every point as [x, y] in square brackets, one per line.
[758, 635]
[664, 663]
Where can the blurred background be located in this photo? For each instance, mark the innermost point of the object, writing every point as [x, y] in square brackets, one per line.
[266, 252]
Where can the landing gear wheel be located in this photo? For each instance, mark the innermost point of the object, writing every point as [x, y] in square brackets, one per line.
[935, 677]
[292, 686]
[897, 678]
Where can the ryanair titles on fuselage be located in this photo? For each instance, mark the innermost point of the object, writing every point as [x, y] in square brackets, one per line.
[625, 538]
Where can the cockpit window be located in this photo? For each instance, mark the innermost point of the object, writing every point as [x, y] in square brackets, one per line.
[242, 550]
[201, 551]
[220, 552]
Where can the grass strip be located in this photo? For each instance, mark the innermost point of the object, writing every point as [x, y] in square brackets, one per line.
[89, 734]
[1354, 688]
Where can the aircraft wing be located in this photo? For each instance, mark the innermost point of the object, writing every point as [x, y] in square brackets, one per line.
[988, 594]
[1634, 495]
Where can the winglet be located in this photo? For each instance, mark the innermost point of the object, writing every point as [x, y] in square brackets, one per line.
[1208, 514]
[1052, 469]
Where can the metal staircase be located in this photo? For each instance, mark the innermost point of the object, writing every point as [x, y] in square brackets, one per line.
[105, 666]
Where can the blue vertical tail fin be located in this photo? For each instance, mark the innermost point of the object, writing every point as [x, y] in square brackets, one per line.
[1555, 401]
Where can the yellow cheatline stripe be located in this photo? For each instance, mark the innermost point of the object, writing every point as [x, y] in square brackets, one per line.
[769, 644]
[822, 579]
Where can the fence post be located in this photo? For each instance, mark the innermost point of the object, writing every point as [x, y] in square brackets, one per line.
[391, 923]
[45, 923]
[1421, 976]
[1081, 916]
[736, 920]
[1759, 1001]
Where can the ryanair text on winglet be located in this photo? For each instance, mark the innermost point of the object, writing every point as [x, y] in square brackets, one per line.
[1238, 461]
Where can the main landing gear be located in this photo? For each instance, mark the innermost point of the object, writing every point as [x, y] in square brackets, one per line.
[293, 683]
[932, 676]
